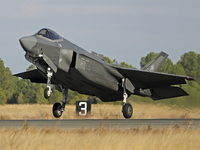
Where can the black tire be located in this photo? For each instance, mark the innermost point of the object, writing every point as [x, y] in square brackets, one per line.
[46, 95]
[57, 110]
[127, 110]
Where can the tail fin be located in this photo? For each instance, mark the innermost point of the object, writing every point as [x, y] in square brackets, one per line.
[156, 62]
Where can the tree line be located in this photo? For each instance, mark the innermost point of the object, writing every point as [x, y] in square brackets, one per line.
[14, 90]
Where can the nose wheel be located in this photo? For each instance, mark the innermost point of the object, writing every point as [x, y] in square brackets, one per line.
[47, 93]
[127, 110]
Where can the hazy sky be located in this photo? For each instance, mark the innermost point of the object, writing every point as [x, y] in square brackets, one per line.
[125, 30]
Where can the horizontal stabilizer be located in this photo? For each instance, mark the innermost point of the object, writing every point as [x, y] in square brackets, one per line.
[33, 75]
[167, 92]
[156, 62]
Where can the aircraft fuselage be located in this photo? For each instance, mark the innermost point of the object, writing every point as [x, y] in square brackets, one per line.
[73, 67]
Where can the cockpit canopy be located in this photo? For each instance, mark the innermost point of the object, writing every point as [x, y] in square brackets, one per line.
[50, 34]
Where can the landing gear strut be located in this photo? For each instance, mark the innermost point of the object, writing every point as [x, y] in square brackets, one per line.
[47, 91]
[127, 109]
[57, 107]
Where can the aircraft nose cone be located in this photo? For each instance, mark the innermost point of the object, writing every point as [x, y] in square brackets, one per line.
[28, 42]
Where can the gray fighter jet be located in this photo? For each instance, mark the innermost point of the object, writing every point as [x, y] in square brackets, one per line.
[68, 66]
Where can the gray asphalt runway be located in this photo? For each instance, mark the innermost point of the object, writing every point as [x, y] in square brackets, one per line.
[111, 123]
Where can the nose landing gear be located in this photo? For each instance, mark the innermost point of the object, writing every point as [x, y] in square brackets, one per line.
[47, 91]
[58, 109]
[127, 109]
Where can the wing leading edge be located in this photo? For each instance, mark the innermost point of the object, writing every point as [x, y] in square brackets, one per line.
[33, 75]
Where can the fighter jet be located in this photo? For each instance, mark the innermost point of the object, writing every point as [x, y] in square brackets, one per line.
[68, 66]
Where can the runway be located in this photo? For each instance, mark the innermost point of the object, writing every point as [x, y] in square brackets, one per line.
[109, 123]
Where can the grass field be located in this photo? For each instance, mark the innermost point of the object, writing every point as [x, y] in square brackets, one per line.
[141, 111]
[31, 138]
[99, 138]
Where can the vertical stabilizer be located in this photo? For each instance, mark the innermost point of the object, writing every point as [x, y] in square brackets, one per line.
[156, 62]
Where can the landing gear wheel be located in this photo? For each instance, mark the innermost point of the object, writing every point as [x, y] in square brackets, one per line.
[127, 110]
[57, 110]
[47, 93]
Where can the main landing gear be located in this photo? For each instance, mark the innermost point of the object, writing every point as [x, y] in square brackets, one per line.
[57, 107]
[127, 109]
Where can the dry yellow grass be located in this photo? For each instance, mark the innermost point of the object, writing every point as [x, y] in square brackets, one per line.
[31, 138]
[141, 111]
[99, 138]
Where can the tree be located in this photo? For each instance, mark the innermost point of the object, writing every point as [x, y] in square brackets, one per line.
[56, 96]
[7, 85]
[31, 67]
[125, 65]
[107, 59]
[146, 59]
[178, 69]
[20, 99]
[167, 66]
[3, 98]
[191, 64]
[40, 96]
[122, 64]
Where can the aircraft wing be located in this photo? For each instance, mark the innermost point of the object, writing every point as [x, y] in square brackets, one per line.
[147, 79]
[160, 84]
[33, 75]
